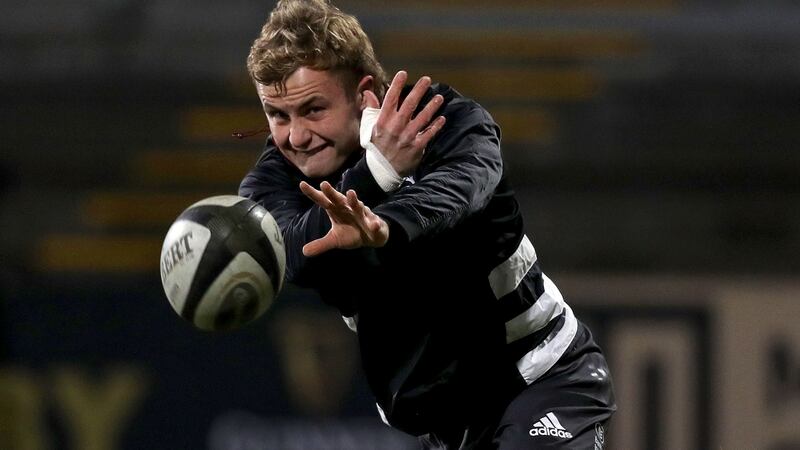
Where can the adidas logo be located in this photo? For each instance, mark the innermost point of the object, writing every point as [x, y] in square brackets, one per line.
[549, 426]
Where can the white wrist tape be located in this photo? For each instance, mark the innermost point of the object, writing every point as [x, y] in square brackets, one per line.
[383, 172]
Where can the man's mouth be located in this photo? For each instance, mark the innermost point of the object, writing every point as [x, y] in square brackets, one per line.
[312, 151]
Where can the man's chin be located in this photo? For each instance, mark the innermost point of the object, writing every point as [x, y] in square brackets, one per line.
[319, 170]
[322, 163]
[315, 174]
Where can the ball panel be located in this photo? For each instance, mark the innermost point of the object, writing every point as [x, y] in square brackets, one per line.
[183, 248]
[219, 219]
[250, 238]
[219, 200]
[240, 293]
[212, 263]
[275, 238]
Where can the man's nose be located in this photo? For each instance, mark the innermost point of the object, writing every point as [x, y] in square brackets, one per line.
[299, 135]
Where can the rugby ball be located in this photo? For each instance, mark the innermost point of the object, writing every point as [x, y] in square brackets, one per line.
[223, 262]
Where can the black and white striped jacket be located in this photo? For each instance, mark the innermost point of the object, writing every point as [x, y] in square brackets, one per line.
[454, 315]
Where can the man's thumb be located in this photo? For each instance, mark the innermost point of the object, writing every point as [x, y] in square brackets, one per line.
[316, 247]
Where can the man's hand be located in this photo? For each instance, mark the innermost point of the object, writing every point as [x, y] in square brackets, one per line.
[399, 136]
[353, 224]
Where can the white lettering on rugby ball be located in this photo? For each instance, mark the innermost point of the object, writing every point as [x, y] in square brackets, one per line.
[180, 255]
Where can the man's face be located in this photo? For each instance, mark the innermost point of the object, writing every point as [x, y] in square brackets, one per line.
[315, 122]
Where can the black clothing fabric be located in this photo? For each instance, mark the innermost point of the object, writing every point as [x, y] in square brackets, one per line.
[569, 407]
[454, 315]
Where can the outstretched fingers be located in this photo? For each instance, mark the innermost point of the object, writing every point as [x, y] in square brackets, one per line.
[331, 200]
[316, 196]
[333, 195]
[363, 212]
[424, 118]
[354, 203]
[424, 137]
[392, 97]
[353, 224]
[413, 98]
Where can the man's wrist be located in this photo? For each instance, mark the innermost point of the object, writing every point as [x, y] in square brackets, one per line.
[385, 175]
[383, 172]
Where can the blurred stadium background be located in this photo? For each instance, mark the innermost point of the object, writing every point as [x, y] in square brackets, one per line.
[654, 144]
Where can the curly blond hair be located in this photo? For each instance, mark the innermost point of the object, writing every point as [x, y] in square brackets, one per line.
[313, 34]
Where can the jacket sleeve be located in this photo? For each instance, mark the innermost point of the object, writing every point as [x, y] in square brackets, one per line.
[457, 177]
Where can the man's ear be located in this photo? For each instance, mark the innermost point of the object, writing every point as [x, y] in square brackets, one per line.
[367, 83]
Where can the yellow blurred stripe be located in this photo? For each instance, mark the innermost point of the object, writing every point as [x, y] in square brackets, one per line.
[525, 125]
[450, 44]
[136, 209]
[95, 254]
[482, 82]
[517, 84]
[217, 123]
[195, 167]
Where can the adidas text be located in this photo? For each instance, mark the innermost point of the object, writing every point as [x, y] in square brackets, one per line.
[541, 431]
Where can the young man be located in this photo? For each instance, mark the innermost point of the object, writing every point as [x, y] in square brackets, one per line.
[394, 207]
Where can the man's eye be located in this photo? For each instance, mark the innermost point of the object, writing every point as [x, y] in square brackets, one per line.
[315, 109]
[276, 115]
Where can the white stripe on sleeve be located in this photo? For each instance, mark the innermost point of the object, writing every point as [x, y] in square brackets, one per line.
[507, 275]
[352, 323]
[549, 306]
[539, 360]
